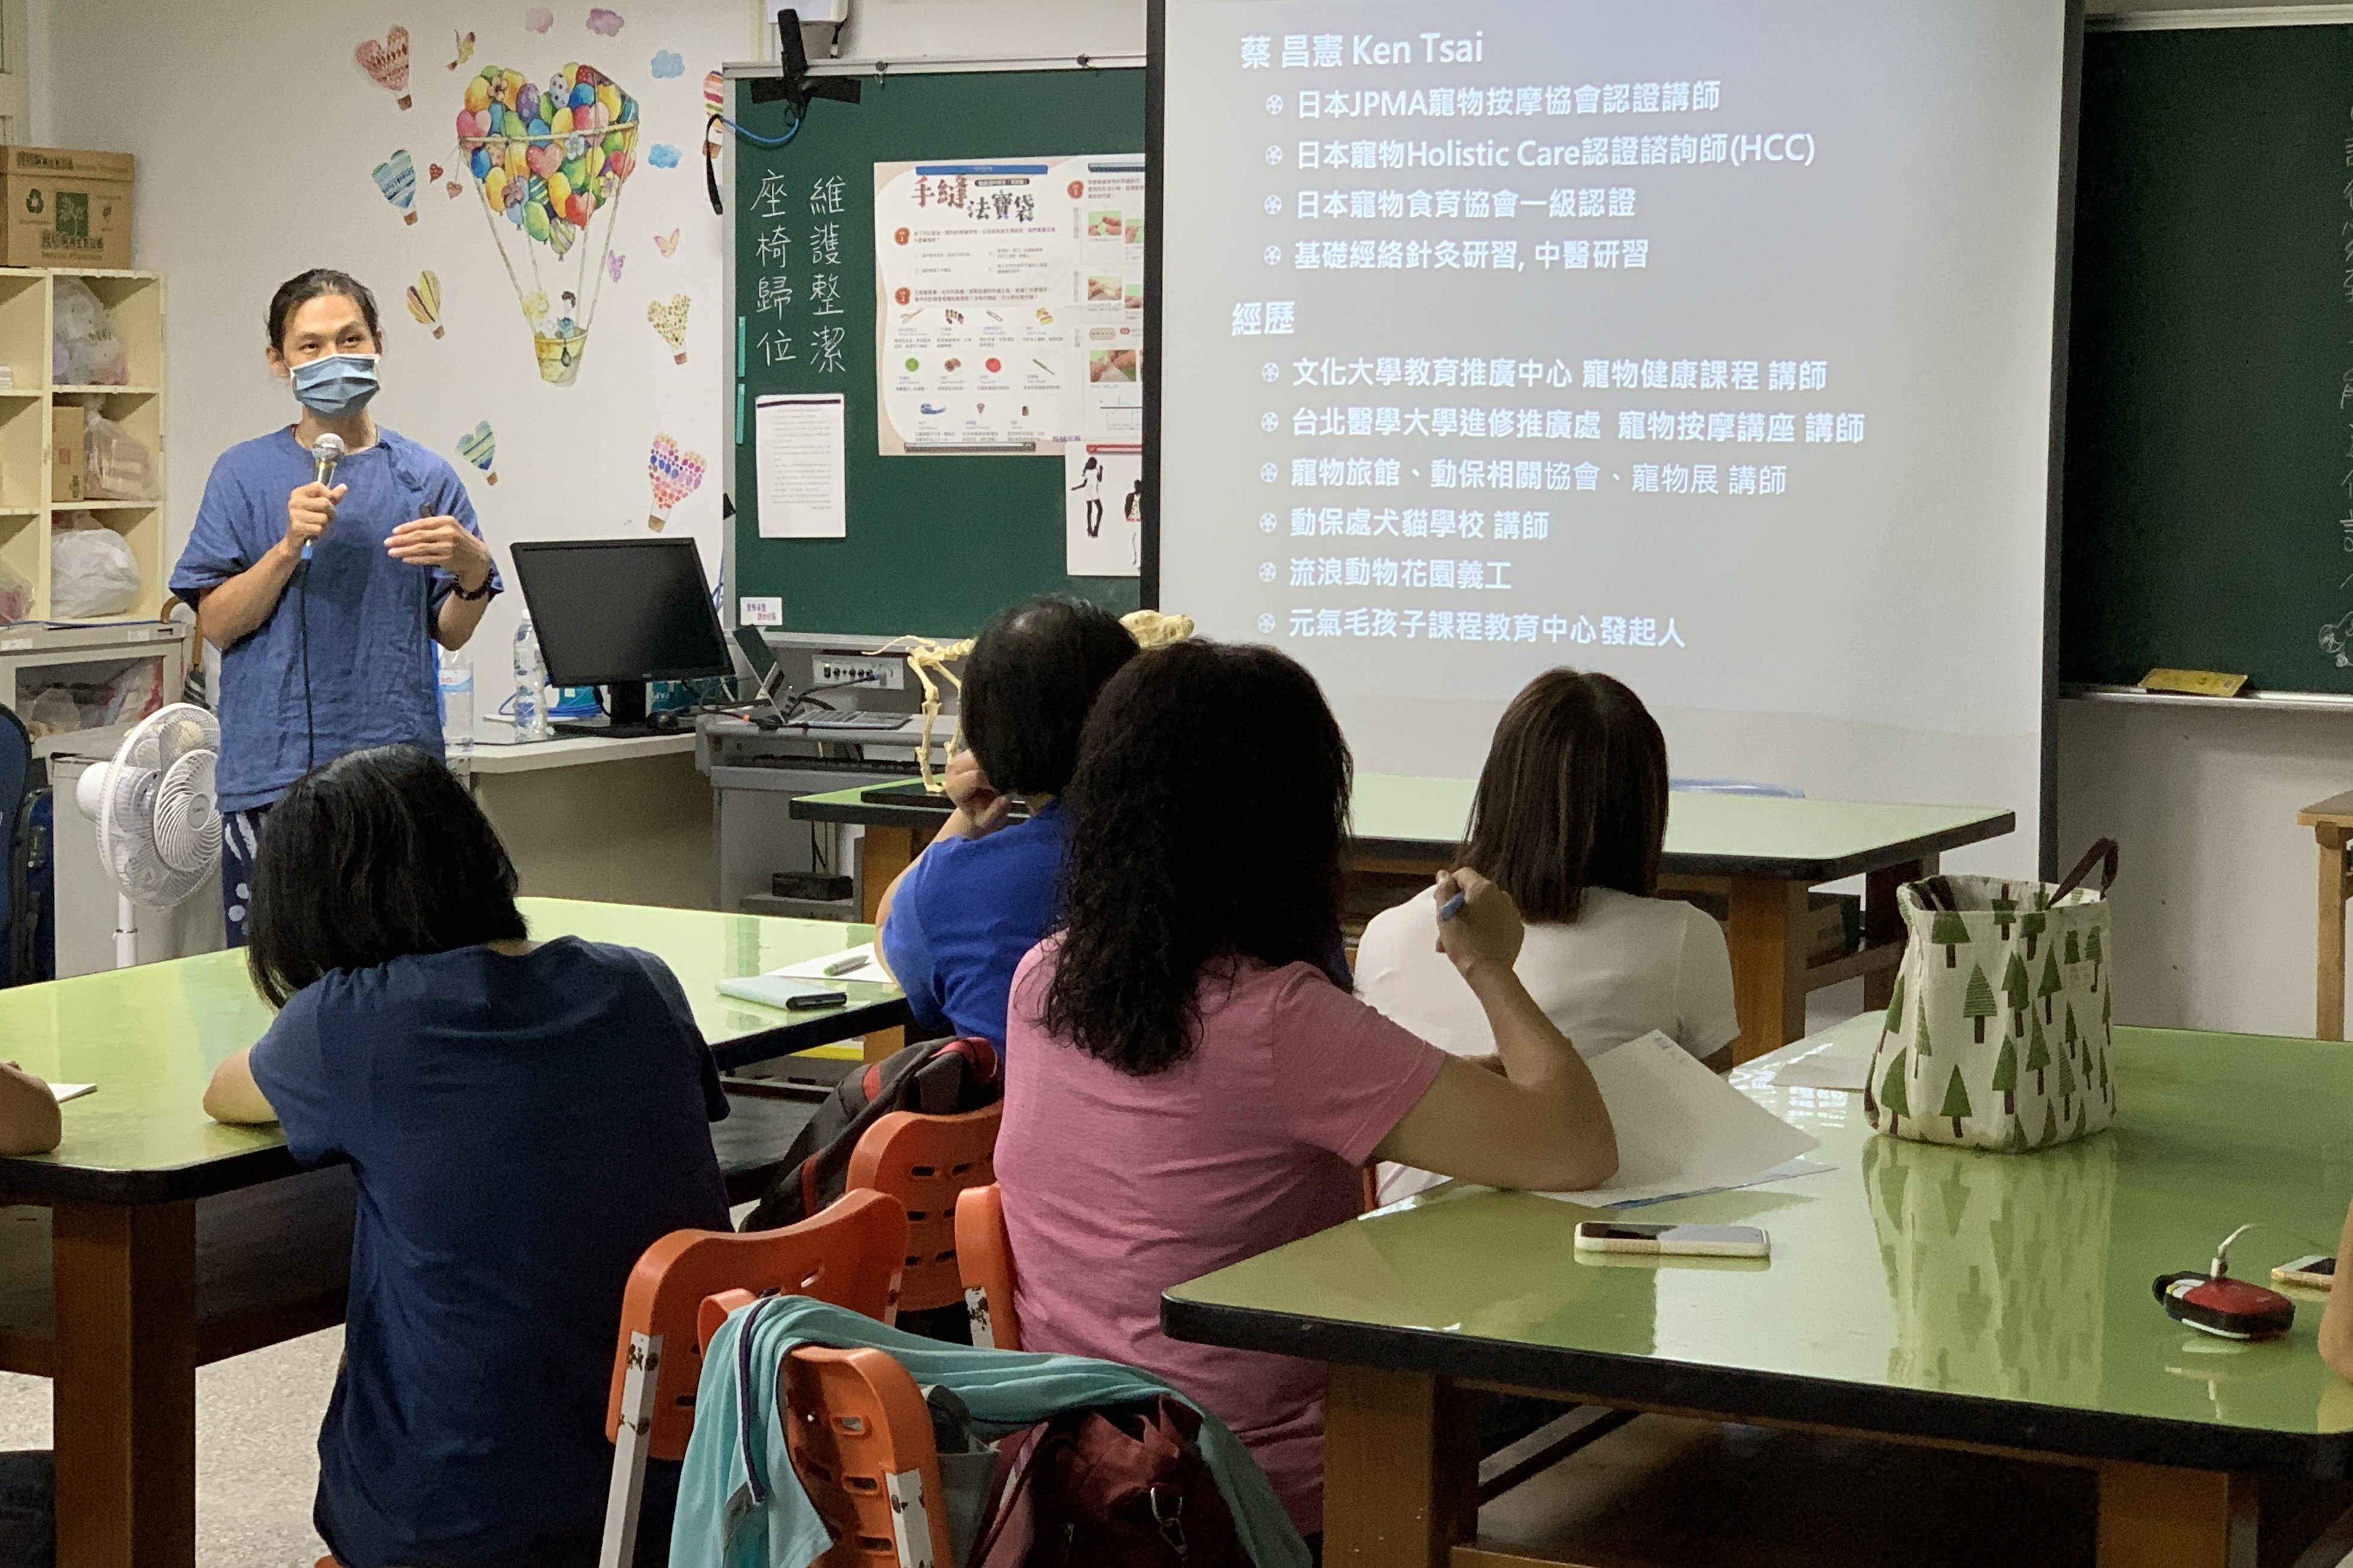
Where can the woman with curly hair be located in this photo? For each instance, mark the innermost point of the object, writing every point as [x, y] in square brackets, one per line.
[1189, 1081]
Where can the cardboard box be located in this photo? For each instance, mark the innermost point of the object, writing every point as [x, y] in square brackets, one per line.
[1833, 926]
[65, 209]
[69, 463]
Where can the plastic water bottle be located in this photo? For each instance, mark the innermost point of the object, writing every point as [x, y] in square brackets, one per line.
[457, 704]
[530, 685]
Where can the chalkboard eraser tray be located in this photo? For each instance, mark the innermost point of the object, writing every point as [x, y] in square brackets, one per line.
[2194, 682]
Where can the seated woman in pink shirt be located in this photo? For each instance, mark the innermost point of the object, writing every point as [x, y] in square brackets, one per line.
[1190, 1082]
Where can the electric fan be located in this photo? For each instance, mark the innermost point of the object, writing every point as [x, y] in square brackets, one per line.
[159, 828]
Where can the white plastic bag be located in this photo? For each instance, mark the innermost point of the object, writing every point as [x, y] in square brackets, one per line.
[53, 712]
[91, 573]
[87, 353]
[120, 467]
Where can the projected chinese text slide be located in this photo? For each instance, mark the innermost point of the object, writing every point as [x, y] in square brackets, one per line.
[1508, 335]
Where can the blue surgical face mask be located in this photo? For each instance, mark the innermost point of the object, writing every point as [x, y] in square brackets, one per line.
[335, 384]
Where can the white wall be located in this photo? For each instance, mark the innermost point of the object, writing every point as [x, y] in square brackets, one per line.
[909, 30]
[2216, 886]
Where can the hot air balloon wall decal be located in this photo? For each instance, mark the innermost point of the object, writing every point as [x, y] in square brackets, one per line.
[425, 302]
[549, 162]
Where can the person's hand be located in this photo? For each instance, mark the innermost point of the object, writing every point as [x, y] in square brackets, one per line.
[16, 1071]
[1484, 934]
[442, 541]
[309, 511]
[980, 810]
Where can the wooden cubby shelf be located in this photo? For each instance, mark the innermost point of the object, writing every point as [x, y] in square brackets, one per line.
[28, 430]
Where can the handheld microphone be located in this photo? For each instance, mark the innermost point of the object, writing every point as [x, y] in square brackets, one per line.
[325, 456]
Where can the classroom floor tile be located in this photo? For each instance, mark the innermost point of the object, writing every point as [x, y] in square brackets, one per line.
[257, 1459]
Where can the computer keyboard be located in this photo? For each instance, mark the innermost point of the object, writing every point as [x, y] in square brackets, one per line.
[847, 719]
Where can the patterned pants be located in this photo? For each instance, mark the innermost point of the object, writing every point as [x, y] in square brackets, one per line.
[241, 849]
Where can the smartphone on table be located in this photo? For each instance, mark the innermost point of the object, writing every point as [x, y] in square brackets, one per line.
[2312, 1271]
[1673, 1241]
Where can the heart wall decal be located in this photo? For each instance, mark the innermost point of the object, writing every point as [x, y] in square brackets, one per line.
[675, 475]
[480, 447]
[668, 318]
[396, 178]
[386, 63]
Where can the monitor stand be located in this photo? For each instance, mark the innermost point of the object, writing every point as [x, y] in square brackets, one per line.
[624, 716]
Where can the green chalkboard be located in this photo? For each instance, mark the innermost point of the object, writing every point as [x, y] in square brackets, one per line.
[936, 544]
[2210, 408]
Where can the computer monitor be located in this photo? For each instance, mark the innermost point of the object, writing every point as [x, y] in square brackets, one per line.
[618, 612]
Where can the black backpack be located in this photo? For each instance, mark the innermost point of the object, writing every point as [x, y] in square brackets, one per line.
[24, 854]
[937, 1077]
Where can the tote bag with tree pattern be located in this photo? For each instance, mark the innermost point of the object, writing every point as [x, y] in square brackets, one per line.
[1997, 1037]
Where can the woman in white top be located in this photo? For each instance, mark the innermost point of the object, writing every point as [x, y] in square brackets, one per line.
[1570, 820]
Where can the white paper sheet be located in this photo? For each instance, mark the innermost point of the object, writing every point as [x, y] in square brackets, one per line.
[1681, 1129]
[1102, 502]
[815, 968]
[65, 1091]
[1787, 1169]
[803, 490]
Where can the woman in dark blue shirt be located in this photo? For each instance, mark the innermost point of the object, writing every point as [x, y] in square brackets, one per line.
[954, 924]
[523, 1118]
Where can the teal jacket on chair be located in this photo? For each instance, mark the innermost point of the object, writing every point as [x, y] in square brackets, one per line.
[1005, 1391]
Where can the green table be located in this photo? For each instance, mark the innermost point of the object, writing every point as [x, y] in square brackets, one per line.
[1760, 854]
[1978, 1302]
[171, 1241]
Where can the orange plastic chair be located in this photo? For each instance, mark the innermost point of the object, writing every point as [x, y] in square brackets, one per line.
[851, 1255]
[926, 1162]
[985, 1262]
[862, 1443]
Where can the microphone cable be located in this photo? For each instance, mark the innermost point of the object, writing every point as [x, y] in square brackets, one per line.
[302, 630]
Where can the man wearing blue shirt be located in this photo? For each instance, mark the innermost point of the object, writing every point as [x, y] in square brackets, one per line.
[957, 922]
[326, 600]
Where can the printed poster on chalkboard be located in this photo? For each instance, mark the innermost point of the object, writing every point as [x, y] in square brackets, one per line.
[1010, 315]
